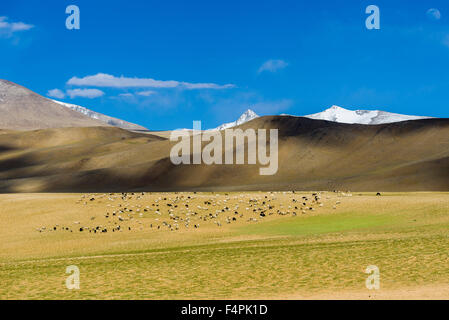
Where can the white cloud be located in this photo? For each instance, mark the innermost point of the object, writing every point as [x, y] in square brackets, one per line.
[85, 93]
[20, 26]
[434, 14]
[192, 86]
[146, 93]
[56, 93]
[273, 66]
[126, 95]
[110, 81]
[9, 28]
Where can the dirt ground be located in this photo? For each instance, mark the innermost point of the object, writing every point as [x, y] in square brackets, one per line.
[252, 245]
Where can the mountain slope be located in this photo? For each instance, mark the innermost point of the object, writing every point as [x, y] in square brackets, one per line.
[313, 155]
[22, 109]
[341, 115]
[103, 118]
[248, 115]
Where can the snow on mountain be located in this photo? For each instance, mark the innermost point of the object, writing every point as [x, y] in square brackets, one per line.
[85, 111]
[371, 117]
[338, 114]
[248, 115]
[103, 118]
[23, 109]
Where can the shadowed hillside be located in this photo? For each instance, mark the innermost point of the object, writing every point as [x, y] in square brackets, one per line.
[313, 154]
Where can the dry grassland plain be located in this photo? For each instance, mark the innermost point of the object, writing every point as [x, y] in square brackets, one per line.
[234, 252]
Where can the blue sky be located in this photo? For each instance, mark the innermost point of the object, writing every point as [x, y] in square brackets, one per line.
[165, 63]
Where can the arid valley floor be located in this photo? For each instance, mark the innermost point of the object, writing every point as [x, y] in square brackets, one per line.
[251, 245]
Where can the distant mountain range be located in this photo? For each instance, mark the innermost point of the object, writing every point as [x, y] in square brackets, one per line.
[337, 114]
[372, 117]
[79, 150]
[312, 154]
[23, 109]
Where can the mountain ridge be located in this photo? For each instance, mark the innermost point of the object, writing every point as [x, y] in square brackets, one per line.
[248, 115]
[336, 114]
[313, 155]
[115, 122]
[27, 110]
[368, 117]
[23, 109]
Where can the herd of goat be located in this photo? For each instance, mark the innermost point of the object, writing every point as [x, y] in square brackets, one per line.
[176, 211]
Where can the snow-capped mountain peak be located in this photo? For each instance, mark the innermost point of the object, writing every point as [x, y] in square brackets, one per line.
[342, 115]
[248, 115]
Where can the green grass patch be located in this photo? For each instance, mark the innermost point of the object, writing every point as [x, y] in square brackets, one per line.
[314, 225]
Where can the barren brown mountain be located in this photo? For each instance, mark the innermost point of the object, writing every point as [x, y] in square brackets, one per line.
[22, 109]
[313, 154]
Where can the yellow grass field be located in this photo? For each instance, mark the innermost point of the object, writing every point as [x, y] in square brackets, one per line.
[252, 245]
